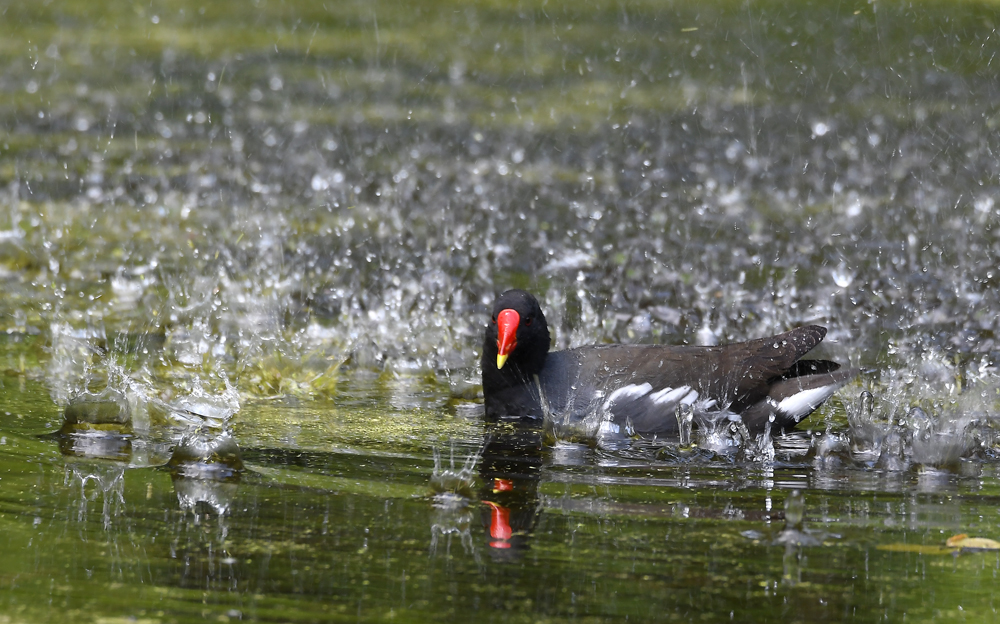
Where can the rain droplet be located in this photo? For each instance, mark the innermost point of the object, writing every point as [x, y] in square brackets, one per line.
[842, 276]
[319, 183]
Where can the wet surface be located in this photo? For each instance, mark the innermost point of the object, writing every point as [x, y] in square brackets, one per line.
[262, 240]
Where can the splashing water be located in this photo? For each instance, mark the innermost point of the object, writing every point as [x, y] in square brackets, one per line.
[949, 422]
[454, 487]
[685, 418]
[103, 481]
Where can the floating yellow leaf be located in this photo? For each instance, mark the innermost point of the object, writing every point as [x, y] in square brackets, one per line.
[965, 542]
[954, 543]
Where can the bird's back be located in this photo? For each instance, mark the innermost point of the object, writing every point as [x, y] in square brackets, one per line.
[641, 386]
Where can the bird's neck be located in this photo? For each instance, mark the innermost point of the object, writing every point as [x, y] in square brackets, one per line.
[512, 390]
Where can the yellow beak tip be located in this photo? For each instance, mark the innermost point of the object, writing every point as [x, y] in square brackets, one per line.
[501, 360]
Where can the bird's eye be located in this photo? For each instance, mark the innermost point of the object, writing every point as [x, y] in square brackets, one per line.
[528, 322]
[494, 320]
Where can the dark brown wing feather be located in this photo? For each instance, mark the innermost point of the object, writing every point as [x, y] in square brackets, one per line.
[738, 374]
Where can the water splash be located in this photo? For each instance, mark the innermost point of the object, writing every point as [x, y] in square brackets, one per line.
[794, 532]
[448, 522]
[98, 480]
[453, 487]
[933, 414]
[202, 408]
[685, 418]
[207, 455]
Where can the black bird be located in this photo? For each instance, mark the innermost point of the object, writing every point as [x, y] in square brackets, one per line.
[626, 390]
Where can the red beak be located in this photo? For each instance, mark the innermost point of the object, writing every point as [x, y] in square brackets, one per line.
[507, 322]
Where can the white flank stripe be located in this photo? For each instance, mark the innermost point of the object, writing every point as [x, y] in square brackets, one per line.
[801, 403]
[631, 390]
[690, 398]
[669, 395]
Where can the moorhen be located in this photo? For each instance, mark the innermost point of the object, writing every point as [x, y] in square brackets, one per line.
[628, 390]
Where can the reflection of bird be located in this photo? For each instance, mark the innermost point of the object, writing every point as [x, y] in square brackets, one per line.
[510, 470]
[620, 390]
